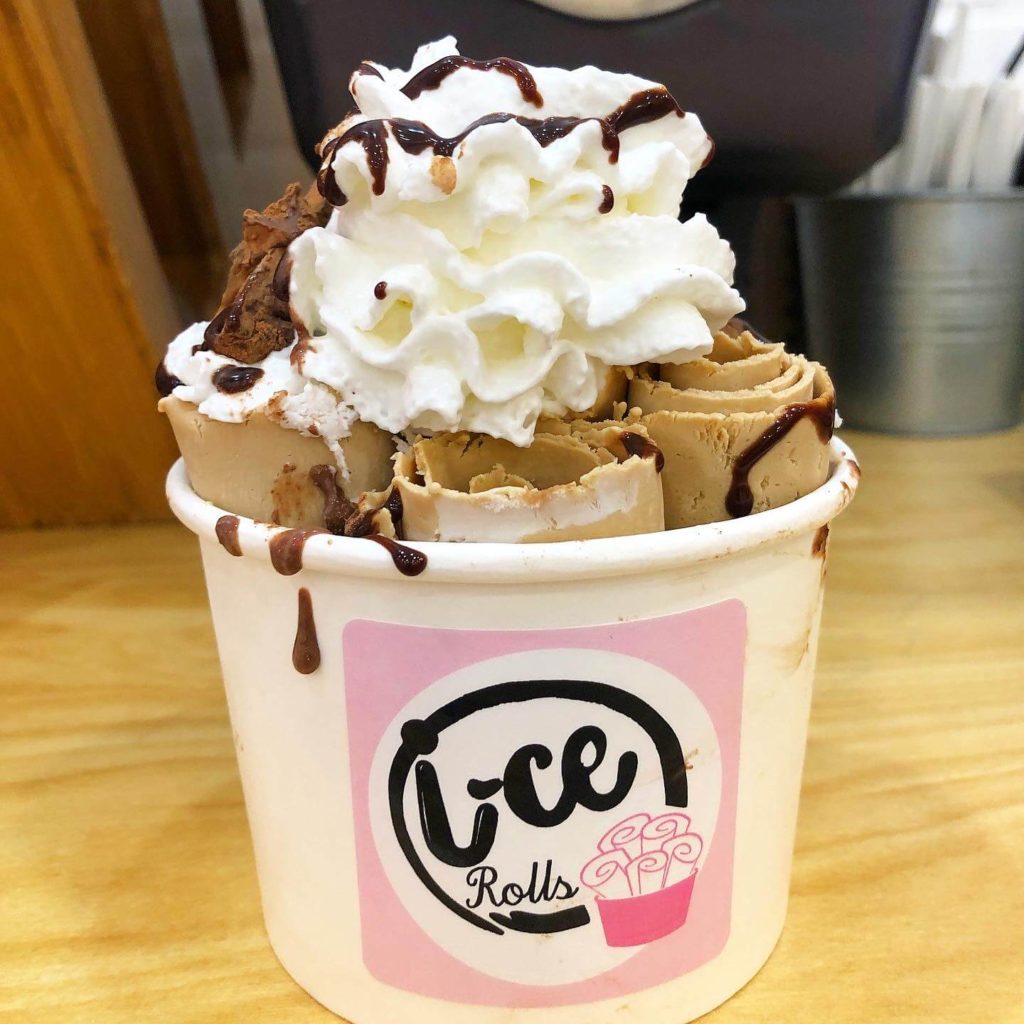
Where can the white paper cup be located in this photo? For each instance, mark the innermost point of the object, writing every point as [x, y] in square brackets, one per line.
[458, 815]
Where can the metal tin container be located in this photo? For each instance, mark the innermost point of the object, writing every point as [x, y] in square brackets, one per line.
[915, 302]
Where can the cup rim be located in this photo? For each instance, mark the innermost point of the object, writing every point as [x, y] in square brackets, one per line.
[530, 563]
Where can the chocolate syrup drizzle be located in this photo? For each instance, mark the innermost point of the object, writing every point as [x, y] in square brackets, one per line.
[337, 508]
[637, 444]
[326, 183]
[408, 561]
[415, 137]
[607, 199]
[395, 507]
[227, 533]
[233, 380]
[362, 523]
[286, 549]
[306, 649]
[165, 381]
[343, 518]
[431, 77]
[373, 137]
[739, 501]
[286, 552]
[228, 317]
[380, 290]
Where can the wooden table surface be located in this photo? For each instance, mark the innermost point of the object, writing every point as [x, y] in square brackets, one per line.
[127, 887]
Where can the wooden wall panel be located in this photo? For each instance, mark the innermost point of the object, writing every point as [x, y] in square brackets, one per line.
[133, 56]
[226, 31]
[85, 308]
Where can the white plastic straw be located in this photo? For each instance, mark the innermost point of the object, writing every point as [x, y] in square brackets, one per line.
[919, 138]
[965, 119]
[998, 136]
[961, 158]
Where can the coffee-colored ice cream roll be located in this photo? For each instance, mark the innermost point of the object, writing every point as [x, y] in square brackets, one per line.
[260, 469]
[742, 430]
[576, 482]
[613, 390]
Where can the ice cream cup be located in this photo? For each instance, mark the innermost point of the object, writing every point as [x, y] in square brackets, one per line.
[544, 783]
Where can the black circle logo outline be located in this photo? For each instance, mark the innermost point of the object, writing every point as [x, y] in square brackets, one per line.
[420, 736]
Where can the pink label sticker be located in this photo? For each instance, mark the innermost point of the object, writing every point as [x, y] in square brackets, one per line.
[545, 817]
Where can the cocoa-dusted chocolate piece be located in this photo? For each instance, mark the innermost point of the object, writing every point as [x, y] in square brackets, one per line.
[256, 322]
[275, 228]
[254, 319]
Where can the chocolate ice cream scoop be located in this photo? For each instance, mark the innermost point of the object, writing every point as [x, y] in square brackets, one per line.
[744, 429]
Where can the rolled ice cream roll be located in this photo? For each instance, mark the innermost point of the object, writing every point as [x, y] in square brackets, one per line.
[260, 469]
[743, 429]
[574, 482]
[660, 830]
[606, 875]
[626, 836]
[647, 873]
[682, 852]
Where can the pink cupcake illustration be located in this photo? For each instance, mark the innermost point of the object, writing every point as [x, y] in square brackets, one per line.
[643, 877]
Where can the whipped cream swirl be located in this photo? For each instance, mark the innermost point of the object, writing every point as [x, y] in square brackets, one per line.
[505, 235]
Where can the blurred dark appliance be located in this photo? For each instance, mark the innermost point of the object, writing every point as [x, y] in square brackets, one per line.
[800, 95]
